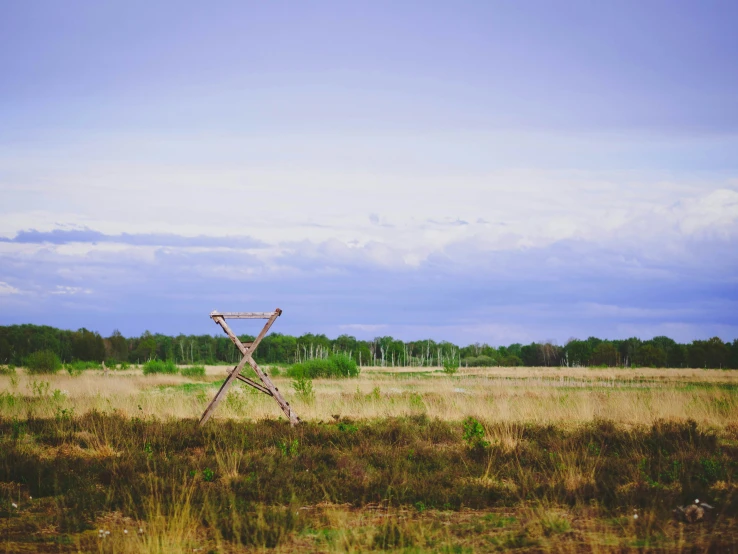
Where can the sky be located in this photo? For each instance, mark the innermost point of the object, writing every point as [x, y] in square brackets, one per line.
[468, 171]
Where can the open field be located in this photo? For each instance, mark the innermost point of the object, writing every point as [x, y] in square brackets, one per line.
[535, 395]
[562, 460]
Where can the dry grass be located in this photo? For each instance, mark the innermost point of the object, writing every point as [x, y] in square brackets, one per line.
[558, 396]
[392, 484]
[568, 455]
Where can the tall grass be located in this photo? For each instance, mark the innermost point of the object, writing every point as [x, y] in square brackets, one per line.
[412, 483]
[557, 397]
[197, 371]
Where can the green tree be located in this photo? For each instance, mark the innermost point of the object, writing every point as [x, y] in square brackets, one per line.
[712, 353]
[605, 353]
[650, 355]
[117, 347]
[733, 359]
[87, 346]
[578, 352]
[145, 349]
[629, 350]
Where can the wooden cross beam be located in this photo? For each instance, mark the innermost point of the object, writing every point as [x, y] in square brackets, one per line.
[247, 349]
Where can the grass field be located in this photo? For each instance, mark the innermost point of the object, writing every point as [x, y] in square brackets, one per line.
[412, 460]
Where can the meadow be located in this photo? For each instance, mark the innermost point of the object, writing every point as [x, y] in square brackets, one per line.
[397, 459]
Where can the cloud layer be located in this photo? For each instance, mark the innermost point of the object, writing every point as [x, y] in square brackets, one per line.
[595, 268]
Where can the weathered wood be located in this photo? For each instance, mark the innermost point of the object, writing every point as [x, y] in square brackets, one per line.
[234, 339]
[291, 415]
[247, 350]
[254, 384]
[222, 391]
[244, 315]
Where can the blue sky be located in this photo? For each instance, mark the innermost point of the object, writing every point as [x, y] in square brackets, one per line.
[469, 171]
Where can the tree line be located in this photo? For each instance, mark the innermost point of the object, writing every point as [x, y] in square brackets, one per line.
[17, 342]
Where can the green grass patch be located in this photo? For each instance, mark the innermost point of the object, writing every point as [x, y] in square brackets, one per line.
[696, 385]
[412, 374]
[189, 387]
[192, 371]
[78, 366]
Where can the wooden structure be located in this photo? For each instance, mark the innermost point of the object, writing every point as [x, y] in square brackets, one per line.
[247, 349]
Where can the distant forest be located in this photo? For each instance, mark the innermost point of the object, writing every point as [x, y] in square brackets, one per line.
[17, 342]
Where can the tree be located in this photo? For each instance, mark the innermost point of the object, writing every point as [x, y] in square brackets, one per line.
[605, 353]
[117, 347]
[733, 359]
[650, 355]
[712, 353]
[146, 348]
[5, 350]
[578, 352]
[87, 346]
[718, 353]
[529, 354]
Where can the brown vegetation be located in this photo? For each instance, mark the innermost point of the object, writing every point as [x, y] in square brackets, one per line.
[549, 461]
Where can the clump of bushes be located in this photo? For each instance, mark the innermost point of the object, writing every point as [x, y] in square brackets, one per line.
[193, 371]
[160, 366]
[479, 361]
[337, 365]
[79, 366]
[43, 361]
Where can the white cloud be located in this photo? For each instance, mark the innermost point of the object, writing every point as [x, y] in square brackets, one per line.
[269, 188]
[7, 290]
[715, 214]
[70, 291]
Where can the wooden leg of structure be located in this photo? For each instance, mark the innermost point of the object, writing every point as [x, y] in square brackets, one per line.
[266, 386]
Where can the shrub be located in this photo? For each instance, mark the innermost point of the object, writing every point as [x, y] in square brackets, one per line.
[474, 433]
[7, 370]
[345, 365]
[73, 372]
[79, 366]
[159, 366]
[479, 361]
[124, 366]
[311, 368]
[193, 371]
[43, 361]
[304, 389]
[337, 365]
[449, 368]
